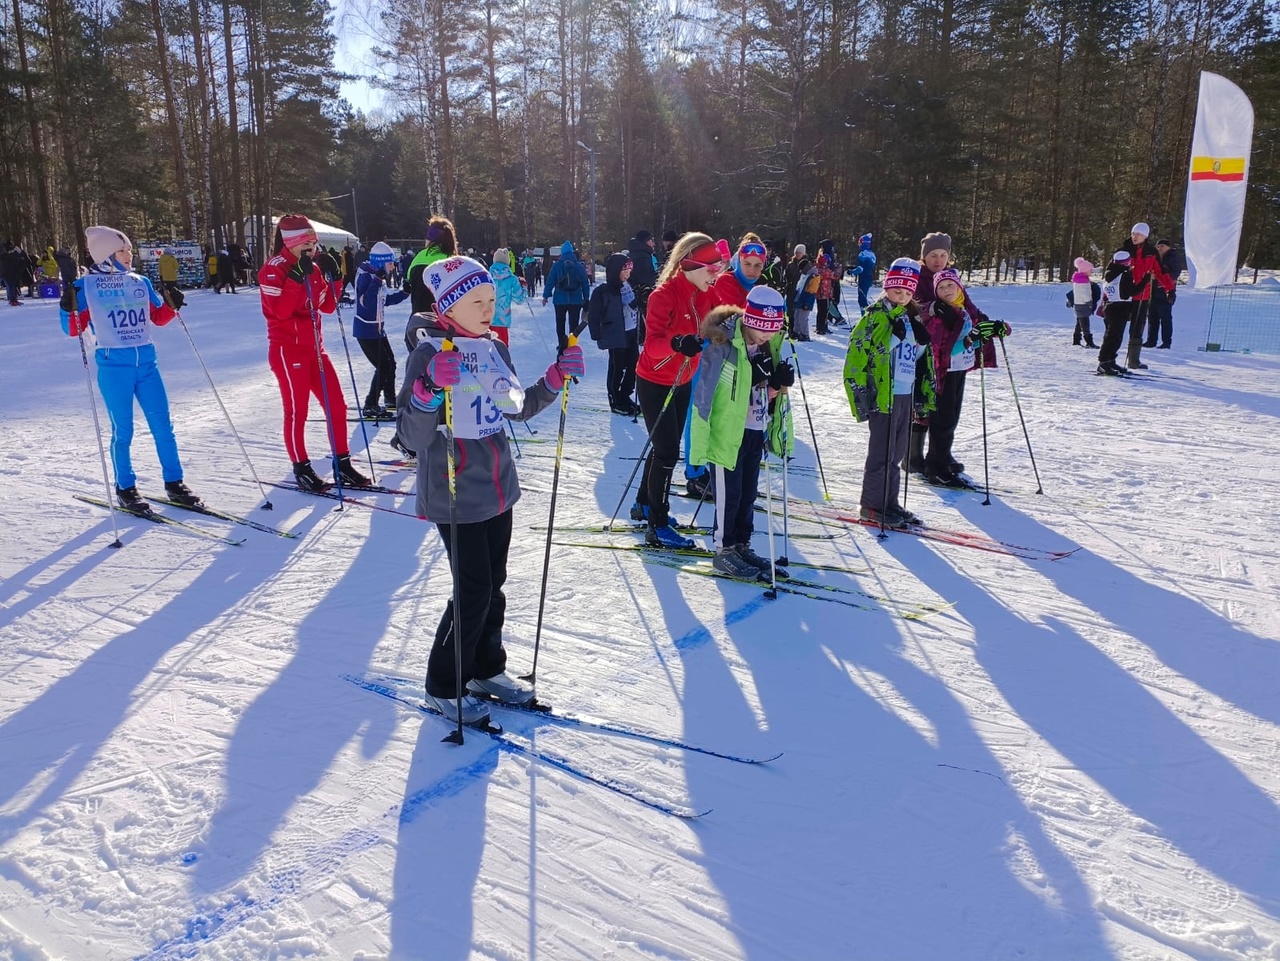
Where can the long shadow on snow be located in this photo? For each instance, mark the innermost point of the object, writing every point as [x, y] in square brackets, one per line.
[1106, 723]
[1198, 643]
[64, 728]
[39, 594]
[866, 807]
[287, 738]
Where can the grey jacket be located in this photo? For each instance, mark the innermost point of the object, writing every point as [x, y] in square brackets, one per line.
[486, 482]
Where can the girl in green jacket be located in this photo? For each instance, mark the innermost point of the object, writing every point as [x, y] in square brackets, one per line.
[889, 378]
[736, 412]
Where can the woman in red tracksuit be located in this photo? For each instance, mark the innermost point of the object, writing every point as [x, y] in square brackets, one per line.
[294, 294]
[666, 367]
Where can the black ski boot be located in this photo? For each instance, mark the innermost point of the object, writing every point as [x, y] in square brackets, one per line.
[131, 501]
[308, 479]
[914, 461]
[180, 493]
[398, 444]
[350, 476]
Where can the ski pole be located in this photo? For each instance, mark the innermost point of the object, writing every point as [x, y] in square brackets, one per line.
[532, 430]
[515, 440]
[453, 737]
[786, 511]
[355, 394]
[532, 676]
[648, 442]
[986, 466]
[826, 495]
[97, 432]
[888, 459]
[772, 592]
[1018, 404]
[267, 505]
[324, 395]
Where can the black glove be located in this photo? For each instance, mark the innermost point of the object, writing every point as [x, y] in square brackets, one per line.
[900, 329]
[1173, 295]
[783, 375]
[177, 299]
[302, 269]
[761, 368]
[686, 344]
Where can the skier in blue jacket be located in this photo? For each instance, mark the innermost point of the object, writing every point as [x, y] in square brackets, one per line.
[865, 271]
[372, 298]
[568, 286]
[118, 308]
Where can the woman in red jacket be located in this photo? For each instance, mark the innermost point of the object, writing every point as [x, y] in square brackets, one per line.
[732, 286]
[666, 367]
[294, 294]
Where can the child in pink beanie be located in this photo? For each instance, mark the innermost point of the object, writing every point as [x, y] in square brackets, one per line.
[1083, 296]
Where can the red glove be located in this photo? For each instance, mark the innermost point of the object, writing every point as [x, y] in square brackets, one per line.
[78, 322]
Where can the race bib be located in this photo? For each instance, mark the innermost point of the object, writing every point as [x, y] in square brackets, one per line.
[488, 390]
[119, 306]
[758, 408]
[904, 366]
[962, 358]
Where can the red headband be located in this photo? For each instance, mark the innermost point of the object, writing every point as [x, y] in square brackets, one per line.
[708, 255]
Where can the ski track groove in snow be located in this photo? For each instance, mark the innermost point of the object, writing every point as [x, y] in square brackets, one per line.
[1076, 760]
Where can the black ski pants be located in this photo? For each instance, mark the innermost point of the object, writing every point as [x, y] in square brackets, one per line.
[481, 570]
[666, 430]
[622, 371]
[383, 358]
[736, 492]
[566, 319]
[1161, 325]
[943, 421]
[1117, 317]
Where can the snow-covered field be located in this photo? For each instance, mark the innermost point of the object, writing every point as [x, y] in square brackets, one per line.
[1075, 759]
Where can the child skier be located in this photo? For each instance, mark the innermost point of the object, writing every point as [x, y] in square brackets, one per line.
[477, 369]
[1118, 290]
[118, 307]
[372, 298]
[294, 294]
[729, 421]
[1083, 297]
[509, 291]
[613, 319]
[888, 377]
[807, 281]
[953, 339]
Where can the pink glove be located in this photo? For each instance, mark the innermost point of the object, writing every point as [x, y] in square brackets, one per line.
[444, 369]
[722, 245]
[570, 364]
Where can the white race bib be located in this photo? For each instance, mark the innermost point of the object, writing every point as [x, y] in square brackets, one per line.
[119, 306]
[961, 358]
[758, 409]
[904, 366]
[487, 391]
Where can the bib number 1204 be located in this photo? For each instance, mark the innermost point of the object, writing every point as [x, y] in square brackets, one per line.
[126, 318]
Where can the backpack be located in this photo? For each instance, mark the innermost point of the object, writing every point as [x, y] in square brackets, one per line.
[569, 278]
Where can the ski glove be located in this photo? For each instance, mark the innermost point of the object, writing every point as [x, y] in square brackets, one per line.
[783, 375]
[444, 369]
[761, 368]
[77, 322]
[1173, 295]
[571, 364]
[177, 299]
[686, 344]
[991, 329]
[302, 269]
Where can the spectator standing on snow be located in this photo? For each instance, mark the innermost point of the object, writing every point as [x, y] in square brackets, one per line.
[1160, 326]
[865, 270]
[1147, 271]
[1083, 297]
[567, 287]
[10, 265]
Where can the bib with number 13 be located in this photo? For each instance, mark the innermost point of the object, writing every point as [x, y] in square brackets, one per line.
[487, 392]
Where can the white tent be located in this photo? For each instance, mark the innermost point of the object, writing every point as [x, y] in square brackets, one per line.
[330, 236]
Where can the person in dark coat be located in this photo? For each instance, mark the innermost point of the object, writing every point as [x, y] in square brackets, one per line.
[612, 321]
[226, 271]
[644, 273]
[1160, 324]
[67, 268]
[11, 270]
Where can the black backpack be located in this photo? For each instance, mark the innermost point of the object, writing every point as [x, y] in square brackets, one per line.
[569, 279]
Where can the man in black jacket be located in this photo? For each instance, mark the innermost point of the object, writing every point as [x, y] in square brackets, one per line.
[1160, 326]
[644, 272]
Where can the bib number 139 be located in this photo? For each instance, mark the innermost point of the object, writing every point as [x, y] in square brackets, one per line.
[486, 411]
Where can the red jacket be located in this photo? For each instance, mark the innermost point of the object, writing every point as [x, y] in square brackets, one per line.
[728, 290]
[285, 302]
[1145, 266]
[675, 308]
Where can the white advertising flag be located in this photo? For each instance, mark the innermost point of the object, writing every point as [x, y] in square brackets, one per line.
[1217, 181]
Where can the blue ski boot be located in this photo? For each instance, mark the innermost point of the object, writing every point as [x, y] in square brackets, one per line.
[667, 537]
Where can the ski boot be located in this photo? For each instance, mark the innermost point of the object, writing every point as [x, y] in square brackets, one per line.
[871, 515]
[474, 714]
[729, 561]
[180, 493]
[667, 537]
[639, 512]
[307, 479]
[502, 687]
[398, 444]
[350, 476]
[131, 501]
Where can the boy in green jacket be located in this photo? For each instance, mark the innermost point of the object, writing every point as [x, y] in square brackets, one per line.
[889, 378]
[738, 382]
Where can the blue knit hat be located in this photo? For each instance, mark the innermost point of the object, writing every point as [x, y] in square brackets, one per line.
[380, 255]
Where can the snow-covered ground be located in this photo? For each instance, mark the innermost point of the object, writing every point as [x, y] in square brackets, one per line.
[1075, 759]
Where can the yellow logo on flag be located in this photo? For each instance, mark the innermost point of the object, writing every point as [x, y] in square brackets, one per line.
[1224, 169]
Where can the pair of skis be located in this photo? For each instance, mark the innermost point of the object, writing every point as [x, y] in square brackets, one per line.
[165, 519]
[395, 688]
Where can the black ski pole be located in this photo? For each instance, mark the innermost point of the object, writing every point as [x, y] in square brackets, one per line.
[826, 495]
[1018, 404]
[986, 465]
[451, 459]
[97, 432]
[648, 442]
[324, 395]
[355, 395]
[888, 460]
[515, 440]
[532, 676]
[267, 505]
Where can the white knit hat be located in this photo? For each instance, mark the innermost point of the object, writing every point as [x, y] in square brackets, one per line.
[1141, 228]
[105, 241]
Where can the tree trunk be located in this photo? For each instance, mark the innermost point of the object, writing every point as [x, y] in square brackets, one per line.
[40, 168]
[175, 123]
[67, 123]
[213, 208]
[233, 134]
[499, 180]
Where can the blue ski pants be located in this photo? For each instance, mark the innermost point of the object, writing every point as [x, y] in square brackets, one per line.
[123, 374]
